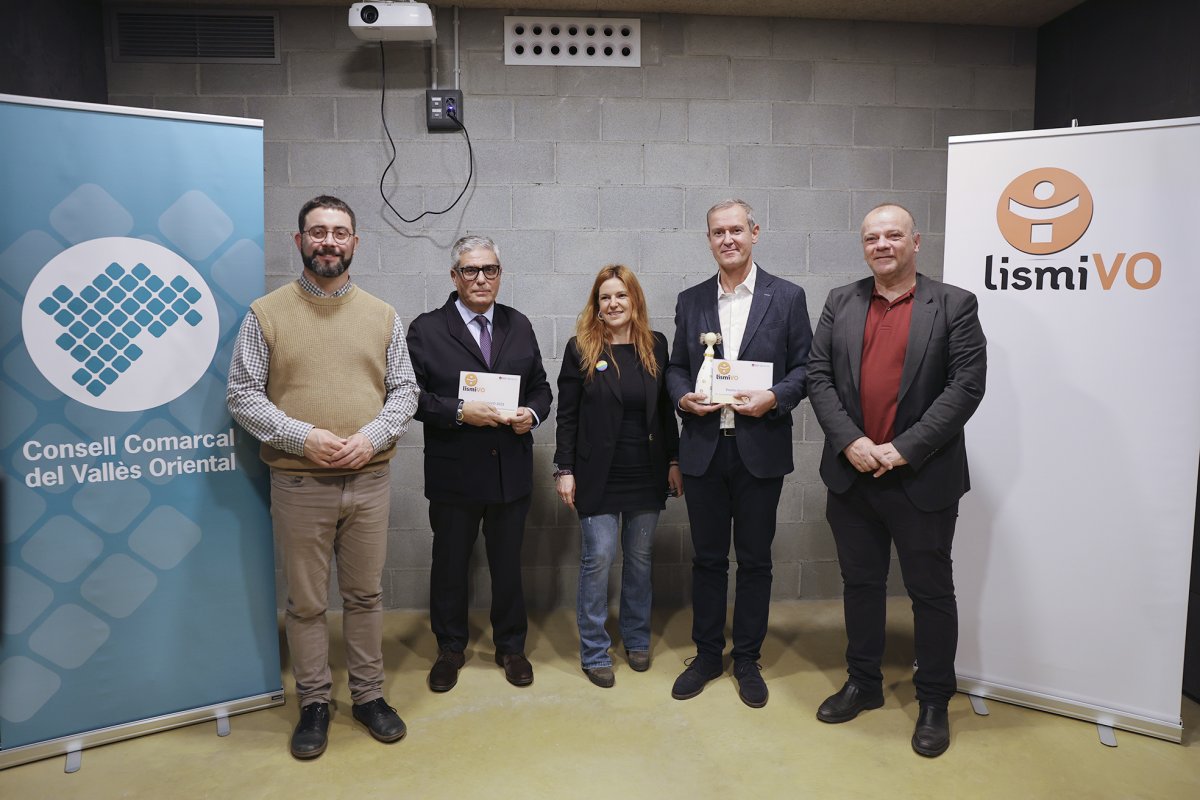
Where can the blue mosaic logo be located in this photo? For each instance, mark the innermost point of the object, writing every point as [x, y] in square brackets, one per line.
[115, 336]
[105, 318]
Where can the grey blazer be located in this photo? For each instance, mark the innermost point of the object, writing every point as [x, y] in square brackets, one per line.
[941, 385]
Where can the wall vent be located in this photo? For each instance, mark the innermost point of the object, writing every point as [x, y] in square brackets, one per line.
[195, 35]
[573, 41]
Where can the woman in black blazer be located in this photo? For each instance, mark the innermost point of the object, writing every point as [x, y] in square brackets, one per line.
[616, 460]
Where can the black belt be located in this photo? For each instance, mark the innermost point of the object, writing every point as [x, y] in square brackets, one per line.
[729, 431]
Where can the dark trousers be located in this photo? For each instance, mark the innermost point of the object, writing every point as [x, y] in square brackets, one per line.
[727, 493]
[866, 520]
[455, 528]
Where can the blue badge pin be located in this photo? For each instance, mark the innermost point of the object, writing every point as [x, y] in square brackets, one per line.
[601, 366]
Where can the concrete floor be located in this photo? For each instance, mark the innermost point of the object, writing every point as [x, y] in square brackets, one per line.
[564, 738]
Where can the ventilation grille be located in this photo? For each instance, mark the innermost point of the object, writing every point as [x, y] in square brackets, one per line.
[223, 36]
[573, 41]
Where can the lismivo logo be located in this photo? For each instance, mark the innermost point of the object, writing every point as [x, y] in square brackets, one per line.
[1044, 211]
[120, 324]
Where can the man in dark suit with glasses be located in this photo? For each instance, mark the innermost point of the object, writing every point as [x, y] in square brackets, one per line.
[478, 458]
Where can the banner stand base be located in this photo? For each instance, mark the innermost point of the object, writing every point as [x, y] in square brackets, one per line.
[1103, 717]
[1108, 737]
[979, 705]
[72, 746]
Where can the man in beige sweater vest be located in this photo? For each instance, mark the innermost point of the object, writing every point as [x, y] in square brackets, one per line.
[321, 376]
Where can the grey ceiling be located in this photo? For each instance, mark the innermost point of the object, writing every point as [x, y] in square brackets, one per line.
[1017, 13]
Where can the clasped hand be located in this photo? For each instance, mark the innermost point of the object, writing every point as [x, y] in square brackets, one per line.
[866, 456]
[327, 449]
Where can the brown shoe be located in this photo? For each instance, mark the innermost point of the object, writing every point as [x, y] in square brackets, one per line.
[601, 676]
[639, 660]
[517, 668]
[444, 674]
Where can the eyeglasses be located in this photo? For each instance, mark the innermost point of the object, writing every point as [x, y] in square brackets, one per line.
[319, 233]
[490, 271]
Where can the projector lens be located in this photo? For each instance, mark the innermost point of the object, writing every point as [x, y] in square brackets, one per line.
[369, 14]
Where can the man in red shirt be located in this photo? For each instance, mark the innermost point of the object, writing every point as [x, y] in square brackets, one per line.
[897, 368]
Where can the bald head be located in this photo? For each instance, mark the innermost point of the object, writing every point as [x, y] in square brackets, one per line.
[896, 208]
[890, 244]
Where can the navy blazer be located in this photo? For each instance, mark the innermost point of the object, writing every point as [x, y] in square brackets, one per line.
[778, 331]
[941, 385]
[589, 422]
[465, 463]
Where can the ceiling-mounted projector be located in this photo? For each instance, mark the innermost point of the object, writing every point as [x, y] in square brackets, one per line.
[392, 22]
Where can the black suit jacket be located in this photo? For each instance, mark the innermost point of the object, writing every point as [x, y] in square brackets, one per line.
[941, 385]
[464, 463]
[777, 331]
[589, 422]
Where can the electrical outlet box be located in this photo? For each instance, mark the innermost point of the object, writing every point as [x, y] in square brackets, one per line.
[442, 107]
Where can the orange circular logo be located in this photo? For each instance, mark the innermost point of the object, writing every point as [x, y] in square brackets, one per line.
[723, 367]
[471, 379]
[1045, 210]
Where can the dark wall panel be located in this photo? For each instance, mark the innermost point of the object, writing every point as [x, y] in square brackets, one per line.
[53, 49]
[1119, 61]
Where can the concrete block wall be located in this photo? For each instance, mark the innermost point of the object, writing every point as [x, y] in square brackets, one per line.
[812, 121]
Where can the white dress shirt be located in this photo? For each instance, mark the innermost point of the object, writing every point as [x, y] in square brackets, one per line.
[733, 309]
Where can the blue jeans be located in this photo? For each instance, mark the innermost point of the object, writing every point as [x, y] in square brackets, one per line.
[597, 553]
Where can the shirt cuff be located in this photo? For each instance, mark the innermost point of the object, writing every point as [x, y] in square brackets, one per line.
[295, 434]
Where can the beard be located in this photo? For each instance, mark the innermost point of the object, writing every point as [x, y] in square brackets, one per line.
[327, 270]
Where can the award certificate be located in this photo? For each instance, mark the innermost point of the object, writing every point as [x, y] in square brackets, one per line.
[731, 378]
[495, 388]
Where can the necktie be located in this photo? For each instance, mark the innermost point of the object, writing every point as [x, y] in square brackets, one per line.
[485, 339]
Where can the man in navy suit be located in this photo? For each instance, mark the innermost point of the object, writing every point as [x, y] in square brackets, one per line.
[897, 368]
[734, 456]
[478, 460]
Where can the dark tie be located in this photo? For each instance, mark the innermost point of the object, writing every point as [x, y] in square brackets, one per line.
[485, 339]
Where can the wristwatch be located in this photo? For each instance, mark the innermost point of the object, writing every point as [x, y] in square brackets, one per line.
[458, 415]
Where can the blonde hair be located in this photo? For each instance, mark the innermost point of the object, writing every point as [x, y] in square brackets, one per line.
[592, 336]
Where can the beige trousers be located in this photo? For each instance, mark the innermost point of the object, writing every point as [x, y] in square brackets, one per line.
[316, 520]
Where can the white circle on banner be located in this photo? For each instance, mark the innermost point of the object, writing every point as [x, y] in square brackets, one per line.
[120, 324]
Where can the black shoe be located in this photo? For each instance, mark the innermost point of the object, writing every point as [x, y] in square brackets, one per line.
[691, 681]
[932, 734]
[381, 720]
[311, 734]
[751, 686]
[847, 704]
[444, 674]
[517, 669]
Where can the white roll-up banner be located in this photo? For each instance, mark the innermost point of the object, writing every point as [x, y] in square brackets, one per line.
[1073, 548]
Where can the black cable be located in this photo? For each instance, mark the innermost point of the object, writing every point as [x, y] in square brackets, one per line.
[383, 116]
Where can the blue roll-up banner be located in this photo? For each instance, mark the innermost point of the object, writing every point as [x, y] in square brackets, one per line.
[137, 581]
